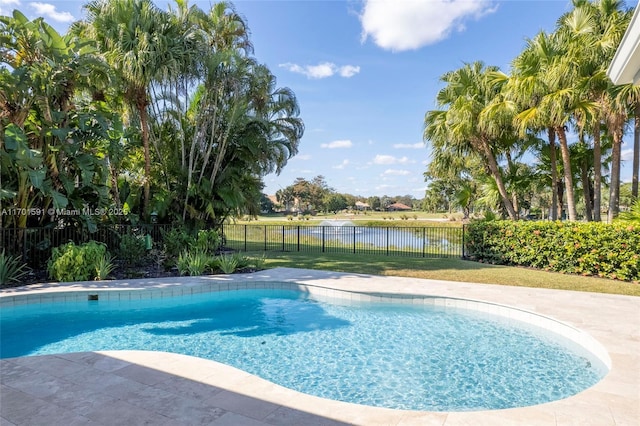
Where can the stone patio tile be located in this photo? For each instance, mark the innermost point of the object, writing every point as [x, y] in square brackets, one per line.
[175, 406]
[144, 375]
[285, 416]
[96, 360]
[120, 412]
[78, 399]
[21, 408]
[5, 422]
[107, 383]
[10, 370]
[35, 383]
[241, 404]
[234, 419]
[423, 419]
[56, 366]
[189, 388]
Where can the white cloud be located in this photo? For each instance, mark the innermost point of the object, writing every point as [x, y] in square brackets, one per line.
[348, 71]
[322, 70]
[627, 154]
[395, 172]
[47, 10]
[302, 157]
[8, 10]
[399, 25]
[342, 165]
[337, 144]
[418, 145]
[390, 159]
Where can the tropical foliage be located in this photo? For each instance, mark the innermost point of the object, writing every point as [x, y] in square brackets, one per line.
[556, 108]
[138, 110]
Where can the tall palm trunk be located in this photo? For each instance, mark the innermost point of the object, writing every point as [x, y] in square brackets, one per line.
[495, 172]
[614, 188]
[597, 171]
[636, 151]
[586, 190]
[144, 120]
[555, 207]
[568, 179]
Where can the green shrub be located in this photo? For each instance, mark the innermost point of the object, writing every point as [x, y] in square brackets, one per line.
[70, 262]
[132, 249]
[593, 248]
[12, 269]
[193, 262]
[176, 240]
[208, 241]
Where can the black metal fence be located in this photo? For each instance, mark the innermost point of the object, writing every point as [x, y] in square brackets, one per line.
[35, 244]
[397, 241]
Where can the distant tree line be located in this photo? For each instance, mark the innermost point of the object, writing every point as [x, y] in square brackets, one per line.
[316, 195]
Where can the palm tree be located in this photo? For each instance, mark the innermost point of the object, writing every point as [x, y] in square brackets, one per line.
[457, 126]
[526, 86]
[137, 40]
[592, 31]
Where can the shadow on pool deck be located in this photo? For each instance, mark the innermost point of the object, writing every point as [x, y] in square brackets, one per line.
[94, 388]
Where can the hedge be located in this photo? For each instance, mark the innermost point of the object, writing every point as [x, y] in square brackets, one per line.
[593, 248]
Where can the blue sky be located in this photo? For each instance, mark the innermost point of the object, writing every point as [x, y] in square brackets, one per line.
[365, 72]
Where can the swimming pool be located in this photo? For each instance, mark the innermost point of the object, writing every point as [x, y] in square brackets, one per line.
[355, 351]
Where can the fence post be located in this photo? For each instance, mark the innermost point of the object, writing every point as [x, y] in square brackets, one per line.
[354, 240]
[298, 237]
[245, 237]
[424, 241]
[387, 241]
[463, 255]
[323, 239]
[282, 237]
[265, 237]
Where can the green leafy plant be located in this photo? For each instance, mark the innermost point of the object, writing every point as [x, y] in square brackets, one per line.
[132, 249]
[208, 241]
[193, 262]
[12, 269]
[176, 240]
[70, 262]
[104, 266]
[228, 263]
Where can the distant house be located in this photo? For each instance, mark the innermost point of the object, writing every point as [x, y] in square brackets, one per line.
[362, 206]
[395, 207]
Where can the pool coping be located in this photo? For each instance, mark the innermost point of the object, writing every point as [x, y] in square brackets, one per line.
[612, 320]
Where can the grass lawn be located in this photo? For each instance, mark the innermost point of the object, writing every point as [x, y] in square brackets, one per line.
[446, 269]
[409, 218]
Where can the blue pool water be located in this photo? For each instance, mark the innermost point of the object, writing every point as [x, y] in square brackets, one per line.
[397, 356]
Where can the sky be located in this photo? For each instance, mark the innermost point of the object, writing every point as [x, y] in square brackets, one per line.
[365, 72]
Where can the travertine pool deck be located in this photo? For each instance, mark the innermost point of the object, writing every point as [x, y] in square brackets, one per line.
[156, 388]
